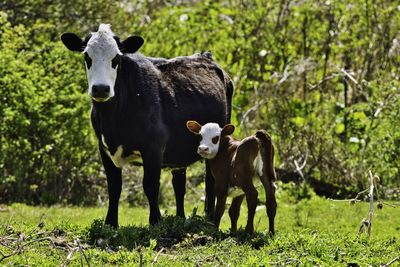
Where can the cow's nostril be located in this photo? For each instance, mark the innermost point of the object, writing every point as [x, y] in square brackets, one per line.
[100, 90]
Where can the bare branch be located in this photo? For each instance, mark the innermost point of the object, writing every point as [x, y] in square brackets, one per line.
[371, 202]
[323, 80]
[348, 75]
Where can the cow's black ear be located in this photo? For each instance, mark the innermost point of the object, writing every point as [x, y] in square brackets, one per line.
[72, 42]
[131, 44]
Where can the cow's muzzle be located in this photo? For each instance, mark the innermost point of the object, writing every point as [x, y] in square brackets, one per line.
[101, 92]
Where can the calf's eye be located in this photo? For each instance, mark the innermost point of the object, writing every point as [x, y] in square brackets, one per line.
[215, 140]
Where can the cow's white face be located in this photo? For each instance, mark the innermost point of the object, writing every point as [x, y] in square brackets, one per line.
[102, 60]
[210, 137]
[102, 51]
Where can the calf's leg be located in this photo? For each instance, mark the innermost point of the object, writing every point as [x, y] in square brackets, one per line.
[210, 194]
[270, 202]
[251, 198]
[179, 184]
[234, 211]
[220, 208]
[114, 184]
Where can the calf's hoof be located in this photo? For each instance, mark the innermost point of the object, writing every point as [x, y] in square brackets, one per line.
[210, 216]
[271, 233]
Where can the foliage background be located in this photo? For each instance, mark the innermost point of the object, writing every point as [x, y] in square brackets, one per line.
[321, 76]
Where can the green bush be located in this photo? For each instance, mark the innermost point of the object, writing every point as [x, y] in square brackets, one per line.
[321, 77]
[48, 153]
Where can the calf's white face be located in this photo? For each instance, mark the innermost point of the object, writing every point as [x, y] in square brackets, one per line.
[102, 51]
[210, 137]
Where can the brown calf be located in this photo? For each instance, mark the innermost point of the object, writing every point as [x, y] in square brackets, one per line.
[234, 164]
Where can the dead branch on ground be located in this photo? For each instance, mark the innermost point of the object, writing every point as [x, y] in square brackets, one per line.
[15, 242]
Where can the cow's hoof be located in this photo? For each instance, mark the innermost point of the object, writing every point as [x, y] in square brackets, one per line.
[154, 219]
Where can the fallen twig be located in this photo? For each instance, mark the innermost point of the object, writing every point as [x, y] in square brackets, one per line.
[158, 255]
[20, 246]
[82, 252]
[391, 262]
[69, 256]
[16, 242]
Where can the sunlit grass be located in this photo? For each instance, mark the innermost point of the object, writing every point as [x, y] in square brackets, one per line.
[312, 231]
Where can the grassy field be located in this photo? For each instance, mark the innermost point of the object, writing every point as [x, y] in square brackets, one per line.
[310, 232]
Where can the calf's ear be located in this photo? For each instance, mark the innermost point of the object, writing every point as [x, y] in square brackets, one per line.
[131, 44]
[193, 126]
[228, 130]
[72, 42]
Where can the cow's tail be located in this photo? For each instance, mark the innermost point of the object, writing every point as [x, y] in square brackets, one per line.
[229, 94]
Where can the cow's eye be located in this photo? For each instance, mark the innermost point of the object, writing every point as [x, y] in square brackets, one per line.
[215, 140]
[88, 61]
[115, 62]
[201, 137]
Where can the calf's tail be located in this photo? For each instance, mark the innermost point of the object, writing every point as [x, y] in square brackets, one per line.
[267, 154]
[268, 176]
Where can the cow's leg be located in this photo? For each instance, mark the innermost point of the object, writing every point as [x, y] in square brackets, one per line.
[179, 183]
[210, 194]
[234, 211]
[152, 159]
[114, 183]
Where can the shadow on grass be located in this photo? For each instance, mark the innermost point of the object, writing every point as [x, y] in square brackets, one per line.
[172, 231]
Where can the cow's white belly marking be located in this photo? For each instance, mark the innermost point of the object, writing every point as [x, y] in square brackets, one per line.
[117, 158]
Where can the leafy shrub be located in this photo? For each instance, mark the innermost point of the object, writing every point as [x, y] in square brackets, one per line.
[46, 140]
[322, 78]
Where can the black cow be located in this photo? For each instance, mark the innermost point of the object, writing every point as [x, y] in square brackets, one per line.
[140, 107]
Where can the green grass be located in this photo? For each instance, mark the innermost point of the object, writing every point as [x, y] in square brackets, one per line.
[310, 232]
